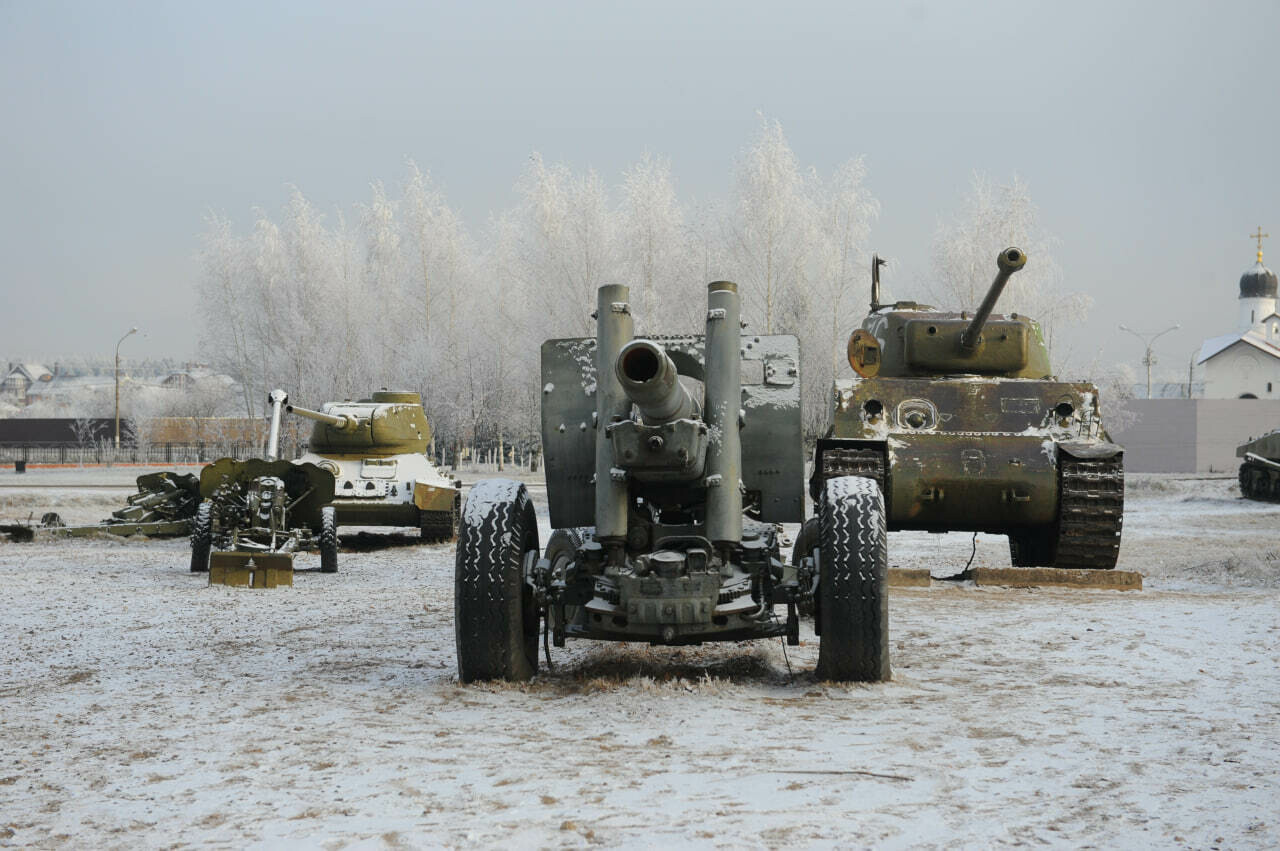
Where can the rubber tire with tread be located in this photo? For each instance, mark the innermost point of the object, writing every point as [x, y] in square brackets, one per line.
[853, 585]
[202, 537]
[328, 540]
[495, 619]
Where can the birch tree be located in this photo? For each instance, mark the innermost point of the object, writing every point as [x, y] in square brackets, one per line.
[994, 217]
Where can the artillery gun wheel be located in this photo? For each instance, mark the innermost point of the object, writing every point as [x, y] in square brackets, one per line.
[495, 617]
[853, 583]
[202, 537]
[328, 540]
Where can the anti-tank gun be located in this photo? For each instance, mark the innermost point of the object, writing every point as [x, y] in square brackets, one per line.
[960, 421]
[255, 514]
[655, 448]
[376, 450]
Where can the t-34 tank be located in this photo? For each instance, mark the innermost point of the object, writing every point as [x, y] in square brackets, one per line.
[958, 418]
[375, 448]
[1260, 471]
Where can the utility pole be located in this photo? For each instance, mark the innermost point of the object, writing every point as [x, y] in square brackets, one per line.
[133, 330]
[1148, 340]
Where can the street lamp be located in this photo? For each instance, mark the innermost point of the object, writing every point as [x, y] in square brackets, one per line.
[1148, 340]
[133, 330]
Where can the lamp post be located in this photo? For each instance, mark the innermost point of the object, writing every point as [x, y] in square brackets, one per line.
[133, 330]
[1148, 340]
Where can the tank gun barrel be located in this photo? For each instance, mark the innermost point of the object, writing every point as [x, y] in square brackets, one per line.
[1009, 261]
[343, 423]
[649, 379]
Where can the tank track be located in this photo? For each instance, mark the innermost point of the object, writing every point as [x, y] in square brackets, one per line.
[867, 463]
[1260, 482]
[1090, 511]
[441, 527]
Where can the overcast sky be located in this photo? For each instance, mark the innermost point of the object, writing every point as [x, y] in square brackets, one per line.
[1148, 132]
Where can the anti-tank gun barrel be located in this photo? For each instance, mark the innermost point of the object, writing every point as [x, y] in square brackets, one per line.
[343, 423]
[648, 377]
[1009, 261]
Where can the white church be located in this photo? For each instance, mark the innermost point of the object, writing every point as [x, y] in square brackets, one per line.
[1246, 364]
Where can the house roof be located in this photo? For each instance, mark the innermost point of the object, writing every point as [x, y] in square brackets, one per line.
[1217, 345]
[31, 371]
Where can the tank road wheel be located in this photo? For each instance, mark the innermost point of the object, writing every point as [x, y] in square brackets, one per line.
[495, 617]
[853, 583]
[202, 537]
[328, 540]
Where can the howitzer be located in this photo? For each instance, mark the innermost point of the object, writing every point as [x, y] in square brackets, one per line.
[655, 450]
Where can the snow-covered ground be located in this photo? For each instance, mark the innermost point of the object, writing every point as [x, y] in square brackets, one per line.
[140, 707]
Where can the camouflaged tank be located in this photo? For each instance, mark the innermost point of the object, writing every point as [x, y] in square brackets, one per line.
[1260, 472]
[958, 418]
[376, 450]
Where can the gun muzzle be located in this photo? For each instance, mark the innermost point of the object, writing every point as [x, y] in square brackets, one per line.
[649, 379]
[1009, 261]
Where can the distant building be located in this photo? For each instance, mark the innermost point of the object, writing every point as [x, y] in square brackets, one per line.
[21, 377]
[1246, 363]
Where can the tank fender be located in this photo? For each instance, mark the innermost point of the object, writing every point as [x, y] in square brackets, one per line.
[431, 498]
[1090, 450]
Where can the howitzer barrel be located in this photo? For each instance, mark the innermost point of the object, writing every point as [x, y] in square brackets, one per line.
[649, 379]
[340, 423]
[1010, 260]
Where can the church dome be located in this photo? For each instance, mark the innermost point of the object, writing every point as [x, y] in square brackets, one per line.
[1258, 282]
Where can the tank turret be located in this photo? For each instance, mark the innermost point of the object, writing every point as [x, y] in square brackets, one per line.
[910, 339]
[388, 423]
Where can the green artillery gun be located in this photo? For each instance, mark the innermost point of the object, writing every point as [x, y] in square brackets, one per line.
[164, 506]
[669, 462]
[376, 450]
[259, 512]
[958, 420]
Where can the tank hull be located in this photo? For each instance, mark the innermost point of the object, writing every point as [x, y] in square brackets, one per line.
[1260, 469]
[1021, 457]
[391, 490]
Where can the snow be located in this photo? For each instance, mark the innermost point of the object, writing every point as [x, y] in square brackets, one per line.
[141, 707]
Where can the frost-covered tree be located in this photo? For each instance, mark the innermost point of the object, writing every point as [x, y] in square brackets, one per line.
[994, 217]
[769, 233]
[567, 241]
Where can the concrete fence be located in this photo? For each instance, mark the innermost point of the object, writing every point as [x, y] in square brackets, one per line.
[1188, 435]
